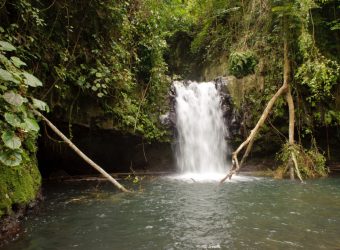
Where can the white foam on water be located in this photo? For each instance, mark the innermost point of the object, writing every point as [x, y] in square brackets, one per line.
[197, 177]
[210, 177]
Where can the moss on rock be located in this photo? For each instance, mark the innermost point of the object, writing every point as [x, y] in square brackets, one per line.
[18, 185]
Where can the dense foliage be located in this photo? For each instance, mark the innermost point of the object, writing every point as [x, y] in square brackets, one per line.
[311, 162]
[242, 63]
[108, 52]
[18, 125]
[20, 179]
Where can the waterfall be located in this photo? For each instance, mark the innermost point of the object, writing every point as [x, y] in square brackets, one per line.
[201, 147]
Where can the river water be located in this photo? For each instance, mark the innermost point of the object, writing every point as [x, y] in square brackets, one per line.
[247, 213]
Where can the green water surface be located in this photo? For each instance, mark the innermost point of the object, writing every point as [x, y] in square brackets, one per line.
[248, 213]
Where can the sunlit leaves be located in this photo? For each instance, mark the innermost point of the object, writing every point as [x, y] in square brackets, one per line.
[13, 98]
[17, 62]
[11, 140]
[12, 119]
[30, 124]
[18, 125]
[11, 158]
[320, 76]
[7, 76]
[40, 105]
[31, 80]
[6, 46]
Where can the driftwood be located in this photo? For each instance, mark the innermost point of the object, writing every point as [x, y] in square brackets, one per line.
[284, 89]
[80, 153]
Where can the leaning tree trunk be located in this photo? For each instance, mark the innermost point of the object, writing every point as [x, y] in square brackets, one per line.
[80, 153]
[284, 89]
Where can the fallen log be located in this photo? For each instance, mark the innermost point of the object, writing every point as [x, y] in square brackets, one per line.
[80, 153]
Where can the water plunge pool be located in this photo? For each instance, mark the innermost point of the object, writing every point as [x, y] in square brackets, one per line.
[247, 213]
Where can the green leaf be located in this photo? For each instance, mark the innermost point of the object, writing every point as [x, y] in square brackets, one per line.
[7, 76]
[81, 80]
[3, 88]
[11, 140]
[40, 105]
[6, 46]
[17, 62]
[31, 80]
[12, 119]
[13, 98]
[11, 159]
[30, 144]
[30, 125]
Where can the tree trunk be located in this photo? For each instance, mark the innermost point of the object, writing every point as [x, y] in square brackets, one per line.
[249, 141]
[285, 88]
[291, 109]
[80, 153]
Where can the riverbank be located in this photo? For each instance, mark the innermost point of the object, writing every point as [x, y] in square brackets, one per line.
[11, 224]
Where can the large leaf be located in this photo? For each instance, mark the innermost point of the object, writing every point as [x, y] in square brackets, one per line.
[13, 98]
[12, 119]
[31, 80]
[40, 105]
[6, 46]
[17, 61]
[11, 140]
[30, 125]
[10, 158]
[7, 76]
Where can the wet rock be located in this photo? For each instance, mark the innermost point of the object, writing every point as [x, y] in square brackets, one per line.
[9, 229]
[232, 117]
[10, 225]
[168, 119]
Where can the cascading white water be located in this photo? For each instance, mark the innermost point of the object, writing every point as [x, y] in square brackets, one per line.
[201, 147]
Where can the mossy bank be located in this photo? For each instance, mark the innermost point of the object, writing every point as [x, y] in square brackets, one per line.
[19, 191]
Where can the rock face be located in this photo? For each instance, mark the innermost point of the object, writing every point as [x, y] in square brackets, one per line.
[232, 117]
[114, 151]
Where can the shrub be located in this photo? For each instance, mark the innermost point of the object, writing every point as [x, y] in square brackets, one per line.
[242, 63]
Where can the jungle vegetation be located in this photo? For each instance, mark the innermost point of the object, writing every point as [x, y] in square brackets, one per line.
[122, 55]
